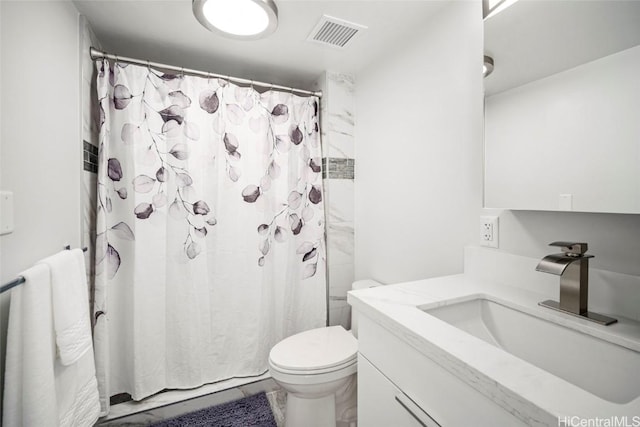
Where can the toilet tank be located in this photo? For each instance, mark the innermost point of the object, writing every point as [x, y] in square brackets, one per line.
[357, 285]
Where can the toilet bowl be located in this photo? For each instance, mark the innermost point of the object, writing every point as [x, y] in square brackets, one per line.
[315, 366]
[311, 367]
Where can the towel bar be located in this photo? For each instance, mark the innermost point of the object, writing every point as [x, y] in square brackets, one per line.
[20, 280]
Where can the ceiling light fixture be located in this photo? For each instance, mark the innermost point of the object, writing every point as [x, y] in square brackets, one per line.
[487, 67]
[239, 19]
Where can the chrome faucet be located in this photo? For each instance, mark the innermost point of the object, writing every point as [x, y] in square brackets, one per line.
[572, 265]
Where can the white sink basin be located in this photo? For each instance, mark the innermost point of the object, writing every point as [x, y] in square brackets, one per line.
[604, 369]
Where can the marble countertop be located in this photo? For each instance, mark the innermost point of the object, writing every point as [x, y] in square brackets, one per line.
[530, 393]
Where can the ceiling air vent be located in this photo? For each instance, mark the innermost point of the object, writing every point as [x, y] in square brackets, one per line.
[335, 32]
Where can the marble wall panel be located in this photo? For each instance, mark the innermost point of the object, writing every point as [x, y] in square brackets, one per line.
[90, 135]
[338, 142]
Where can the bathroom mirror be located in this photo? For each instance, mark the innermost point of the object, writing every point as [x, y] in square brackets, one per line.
[562, 107]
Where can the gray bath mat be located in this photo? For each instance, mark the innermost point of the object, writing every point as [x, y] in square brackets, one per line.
[250, 411]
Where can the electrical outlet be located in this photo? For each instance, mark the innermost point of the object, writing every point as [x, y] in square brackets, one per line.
[489, 231]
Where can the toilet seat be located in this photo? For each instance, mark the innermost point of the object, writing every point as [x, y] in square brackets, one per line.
[346, 366]
[311, 378]
[314, 352]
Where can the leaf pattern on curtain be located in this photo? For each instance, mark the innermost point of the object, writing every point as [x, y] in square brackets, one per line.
[163, 111]
[298, 207]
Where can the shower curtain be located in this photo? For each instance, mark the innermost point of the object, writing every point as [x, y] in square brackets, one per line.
[210, 231]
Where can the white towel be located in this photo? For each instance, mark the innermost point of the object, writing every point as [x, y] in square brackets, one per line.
[70, 305]
[29, 383]
[39, 389]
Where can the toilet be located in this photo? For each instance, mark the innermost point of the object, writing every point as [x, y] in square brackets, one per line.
[317, 368]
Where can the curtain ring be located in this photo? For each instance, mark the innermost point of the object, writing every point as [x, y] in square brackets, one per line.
[182, 72]
[148, 66]
[117, 60]
[251, 85]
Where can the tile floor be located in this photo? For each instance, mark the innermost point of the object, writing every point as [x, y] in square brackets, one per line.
[172, 403]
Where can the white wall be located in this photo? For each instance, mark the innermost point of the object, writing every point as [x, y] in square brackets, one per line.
[614, 239]
[41, 147]
[419, 160]
[419, 151]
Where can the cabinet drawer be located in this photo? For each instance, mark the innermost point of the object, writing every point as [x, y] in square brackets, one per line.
[382, 404]
[439, 393]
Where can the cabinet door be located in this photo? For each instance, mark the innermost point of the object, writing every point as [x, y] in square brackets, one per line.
[382, 404]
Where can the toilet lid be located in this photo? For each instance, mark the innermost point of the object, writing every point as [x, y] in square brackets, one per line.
[315, 349]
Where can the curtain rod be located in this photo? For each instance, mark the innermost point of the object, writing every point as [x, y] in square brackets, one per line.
[20, 280]
[97, 54]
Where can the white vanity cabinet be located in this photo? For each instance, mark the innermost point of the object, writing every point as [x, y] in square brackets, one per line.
[399, 386]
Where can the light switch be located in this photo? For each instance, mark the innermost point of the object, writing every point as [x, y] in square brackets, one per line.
[6, 212]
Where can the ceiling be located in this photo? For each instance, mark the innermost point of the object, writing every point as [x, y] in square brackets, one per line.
[529, 40]
[168, 32]
[533, 39]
